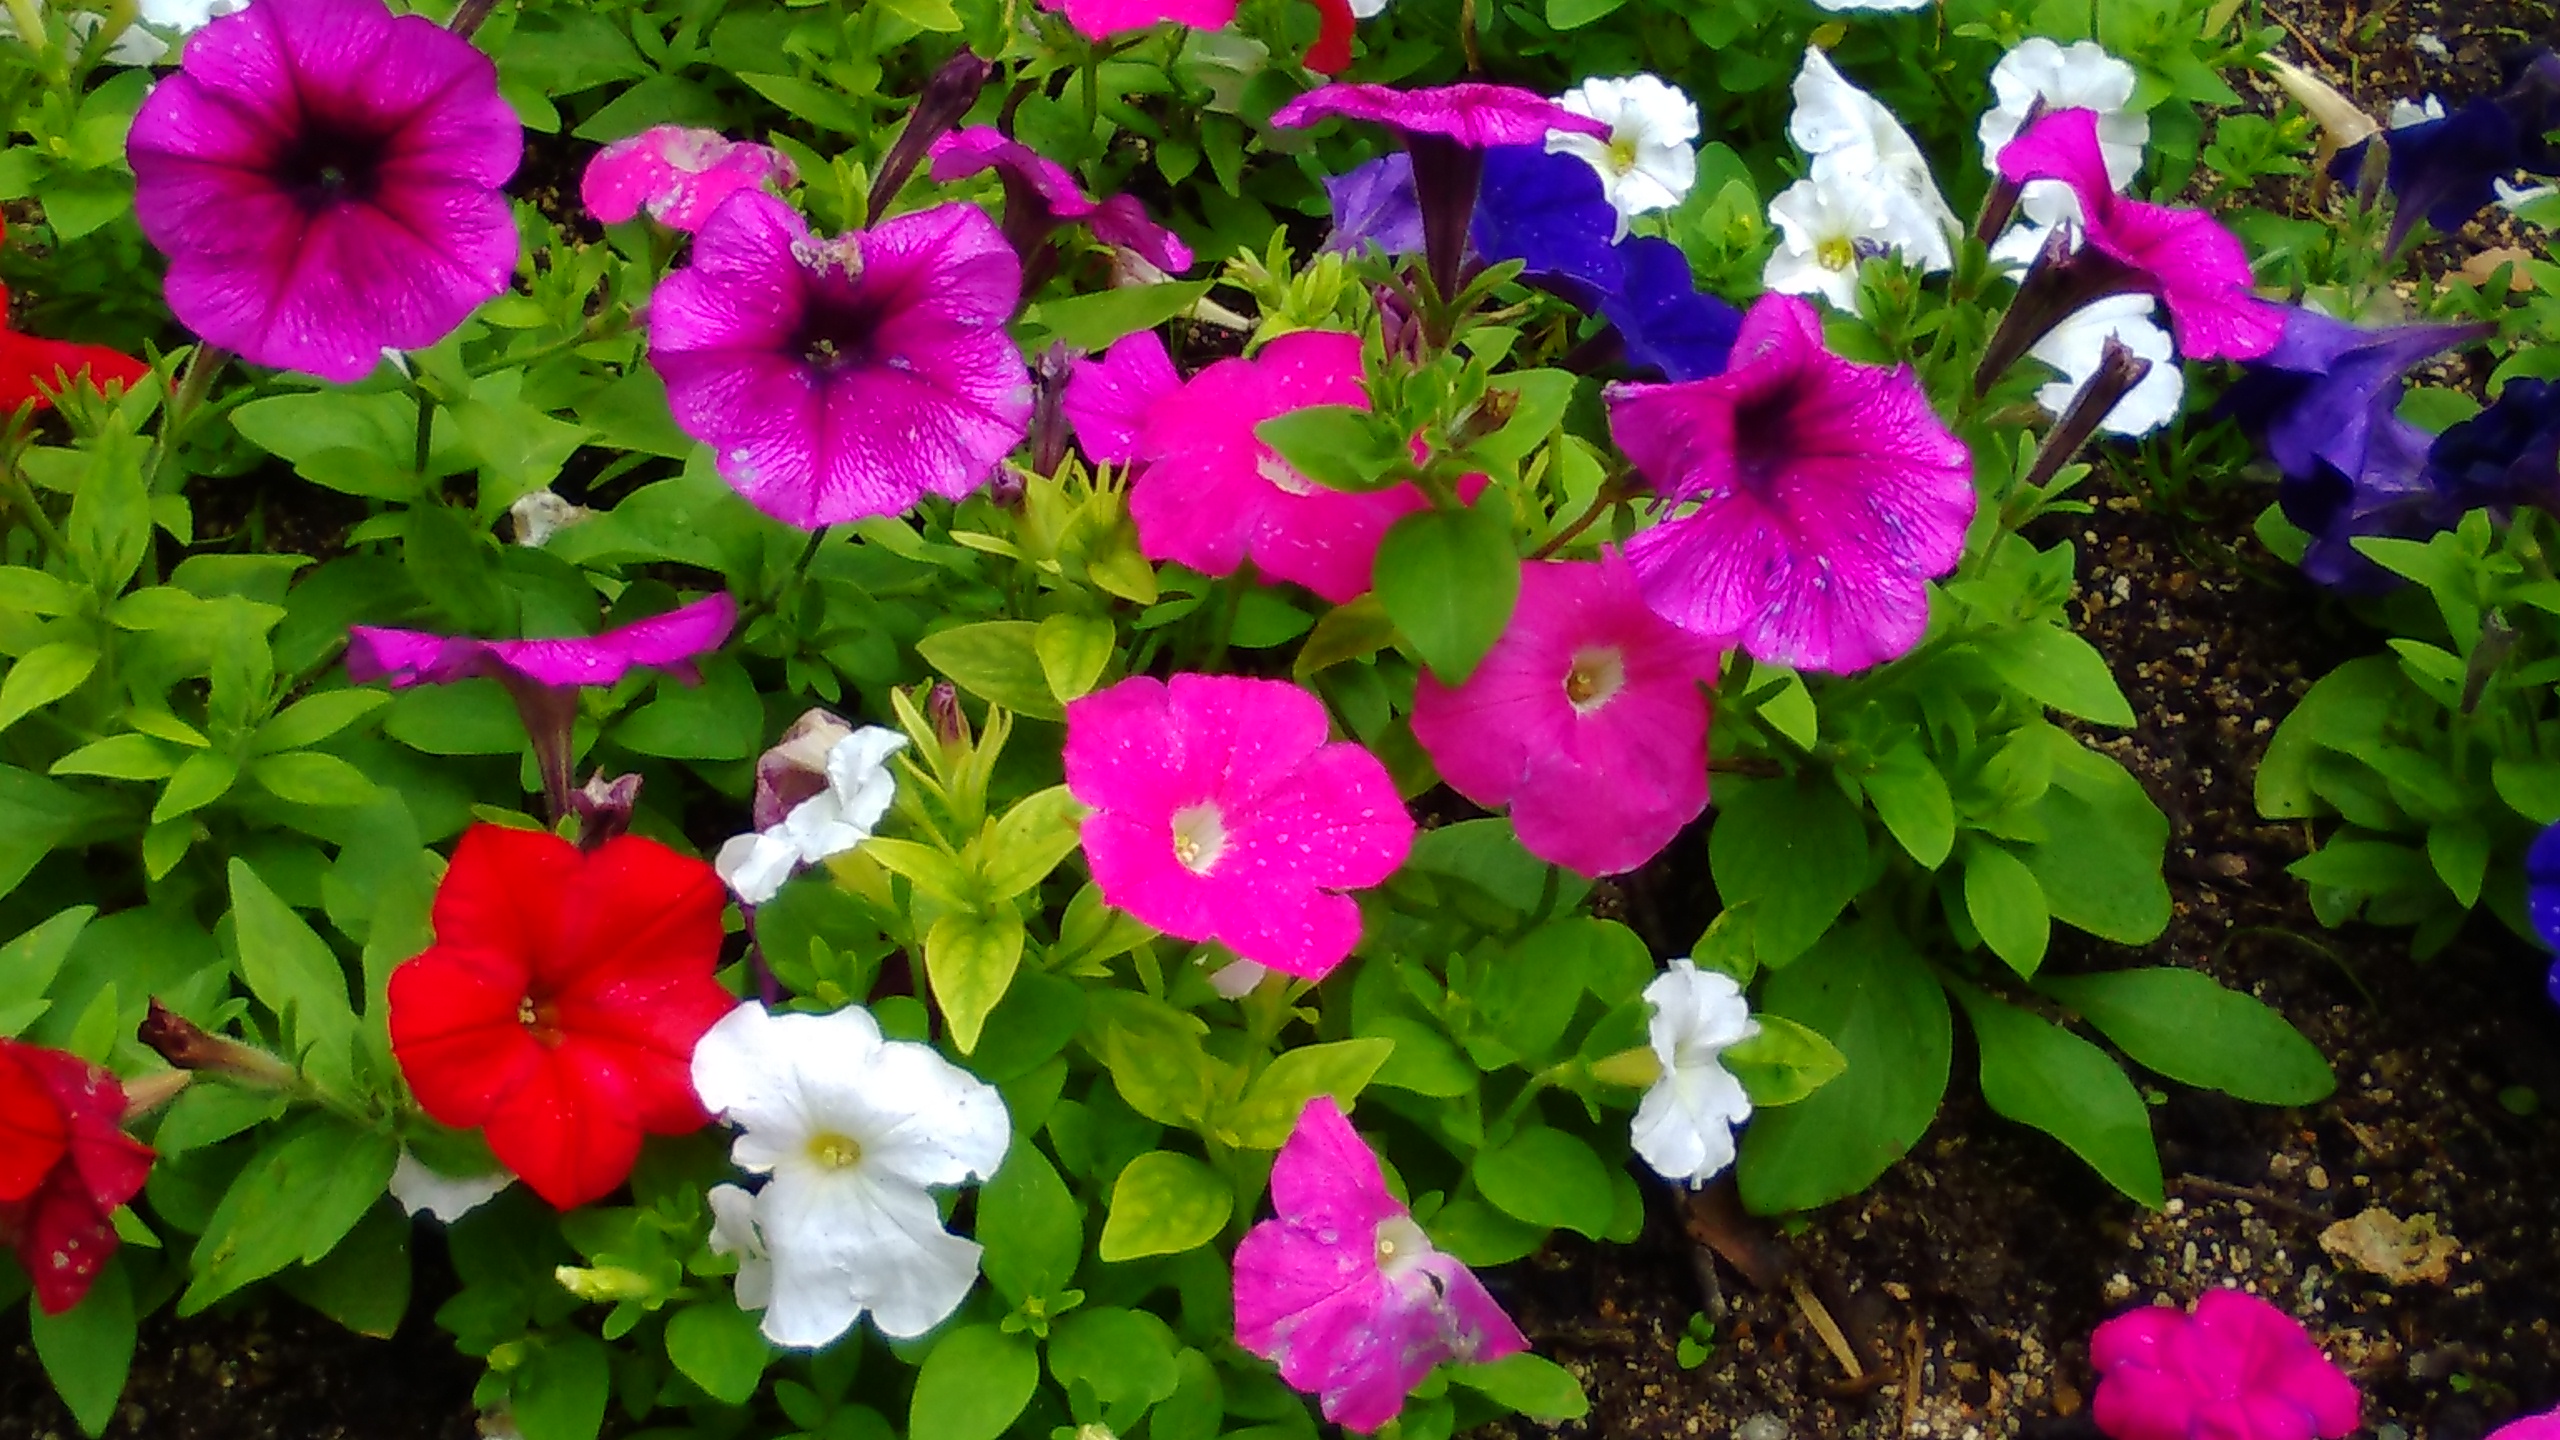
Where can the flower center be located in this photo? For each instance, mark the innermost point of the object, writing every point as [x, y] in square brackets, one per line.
[833, 1151]
[330, 163]
[1836, 253]
[1622, 154]
[1595, 678]
[1282, 474]
[541, 1019]
[1199, 836]
[1401, 1245]
[1766, 430]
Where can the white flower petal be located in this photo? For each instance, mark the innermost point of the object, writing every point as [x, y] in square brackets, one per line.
[423, 1191]
[1684, 1128]
[2076, 346]
[858, 775]
[734, 1231]
[755, 864]
[2081, 76]
[2406, 113]
[1649, 160]
[846, 1243]
[1852, 140]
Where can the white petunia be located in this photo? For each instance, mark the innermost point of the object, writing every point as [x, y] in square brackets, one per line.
[860, 787]
[1368, 9]
[1684, 1128]
[2405, 113]
[1649, 160]
[1824, 229]
[2076, 346]
[1854, 140]
[2513, 197]
[2081, 76]
[424, 1191]
[853, 1131]
[138, 45]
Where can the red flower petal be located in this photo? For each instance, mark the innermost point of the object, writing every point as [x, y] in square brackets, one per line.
[32, 369]
[64, 1238]
[1331, 54]
[458, 1031]
[567, 1130]
[502, 893]
[33, 1136]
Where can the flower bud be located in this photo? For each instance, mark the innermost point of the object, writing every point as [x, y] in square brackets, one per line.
[604, 1284]
[1636, 1068]
[603, 808]
[946, 98]
[796, 767]
[146, 1093]
[189, 1046]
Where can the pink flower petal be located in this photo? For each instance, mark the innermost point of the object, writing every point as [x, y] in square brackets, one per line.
[1474, 114]
[1107, 400]
[1102, 19]
[679, 175]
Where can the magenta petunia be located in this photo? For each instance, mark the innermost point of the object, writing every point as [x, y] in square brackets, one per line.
[1213, 496]
[2529, 1427]
[1343, 1290]
[1586, 718]
[1221, 812]
[1040, 195]
[324, 178]
[2236, 1368]
[2199, 270]
[1472, 113]
[1813, 497]
[1107, 400]
[1102, 19]
[844, 378]
[678, 174]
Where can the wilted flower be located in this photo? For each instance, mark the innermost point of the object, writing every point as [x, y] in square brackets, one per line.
[1649, 158]
[1856, 146]
[2041, 75]
[678, 174]
[1813, 497]
[2077, 347]
[2508, 454]
[65, 1165]
[2446, 167]
[1586, 718]
[1040, 195]
[853, 1132]
[422, 1189]
[1344, 1291]
[1685, 1126]
[324, 177]
[541, 514]
[844, 378]
[859, 789]
[2237, 1368]
[1220, 812]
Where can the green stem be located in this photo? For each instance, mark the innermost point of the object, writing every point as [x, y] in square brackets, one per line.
[426, 430]
[595, 329]
[1603, 501]
[23, 496]
[195, 383]
[29, 21]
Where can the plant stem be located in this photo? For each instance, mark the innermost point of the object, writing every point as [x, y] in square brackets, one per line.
[23, 496]
[1603, 500]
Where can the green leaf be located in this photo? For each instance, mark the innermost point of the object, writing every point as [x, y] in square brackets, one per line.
[363, 1284]
[34, 592]
[2058, 668]
[1346, 632]
[1030, 1225]
[2099, 860]
[2037, 1073]
[295, 1200]
[971, 1387]
[561, 1390]
[2188, 1027]
[825, 108]
[1870, 994]
[29, 963]
[1073, 651]
[717, 1346]
[119, 757]
[1163, 1204]
[1548, 1178]
[358, 444]
[2459, 849]
[2344, 711]
[291, 970]
[1125, 1356]
[719, 718]
[1529, 1383]
[314, 719]
[2531, 788]
[1340, 447]
[971, 959]
[1449, 579]
[2006, 904]
[1269, 1111]
[1154, 1054]
[1794, 852]
[1198, 1402]
[42, 676]
[1039, 831]
[1784, 1063]
[996, 660]
[308, 777]
[1911, 798]
[110, 525]
[1092, 321]
[88, 1349]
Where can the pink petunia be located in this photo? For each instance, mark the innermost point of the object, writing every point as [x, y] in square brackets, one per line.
[678, 174]
[1102, 19]
[844, 378]
[2199, 270]
[1345, 1292]
[1040, 195]
[2529, 1427]
[1213, 496]
[1820, 497]
[1220, 812]
[1472, 113]
[1107, 400]
[324, 178]
[1585, 718]
[2236, 1368]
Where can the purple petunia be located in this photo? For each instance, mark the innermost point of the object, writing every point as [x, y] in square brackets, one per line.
[324, 177]
[2542, 895]
[2320, 391]
[1040, 195]
[2507, 455]
[844, 378]
[1375, 205]
[2447, 168]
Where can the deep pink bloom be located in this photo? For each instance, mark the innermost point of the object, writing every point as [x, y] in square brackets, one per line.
[1221, 813]
[1472, 113]
[1824, 495]
[678, 174]
[1107, 400]
[2530, 1427]
[669, 642]
[1345, 1292]
[2237, 1368]
[1102, 19]
[324, 179]
[1040, 195]
[2199, 270]
[1585, 718]
[1213, 496]
[840, 379]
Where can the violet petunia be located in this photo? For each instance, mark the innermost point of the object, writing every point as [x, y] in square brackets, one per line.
[1811, 498]
[1552, 214]
[1666, 323]
[2317, 394]
[2542, 896]
[1586, 718]
[1220, 810]
[2447, 168]
[325, 179]
[678, 174]
[1040, 195]
[2507, 455]
[1345, 1292]
[2384, 492]
[2236, 1368]
[844, 378]
[1374, 204]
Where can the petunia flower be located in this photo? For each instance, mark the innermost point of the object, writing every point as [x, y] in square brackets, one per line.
[2507, 455]
[1040, 195]
[2196, 268]
[1213, 496]
[557, 1010]
[1667, 325]
[422, 1189]
[844, 378]
[1814, 497]
[1107, 400]
[2040, 75]
[2530, 1427]
[33, 371]
[1446, 129]
[543, 676]
[324, 178]
[2077, 347]
[1586, 718]
[859, 789]
[1375, 204]
[2385, 491]
[1103, 19]
[1826, 228]
[678, 174]
[1649, 159]
[1854, 142]
[2542, 895]
[2446, 167]
[2236, 1368]
[1344, 1292]
[1220, 812]
[1684, 1128]
[853, 1132]
[2319, 392]
[65, 1166]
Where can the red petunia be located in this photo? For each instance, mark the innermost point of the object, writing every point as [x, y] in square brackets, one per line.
[31, 370]
[65, 1165]
[559, 1006]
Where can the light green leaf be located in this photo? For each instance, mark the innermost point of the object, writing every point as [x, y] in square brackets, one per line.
[199, 780]
[315, 718]
[1548, 1178]
[1125, 1356]
[1091, 321]
[88, 1350]
[119, 757]
[1028, 842]
[294, 1201]
[718, 1347]
[1911, 798]
[971, 959]
[1449, 579]
[560, 1392]
[1163, 1204]
[1073, 650]
[972, 1386]
[42, 676]
[1795, 853]
[1031, 1227]
[1269, 1111]
[1528, 1383]
[1784, 1063]
[2006, 904]
[1340, 447]
[309, 777]
[996, 660]
[289, 967]
[2058, 668]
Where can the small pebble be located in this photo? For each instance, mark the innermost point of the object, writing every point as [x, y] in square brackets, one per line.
[1770, 1427]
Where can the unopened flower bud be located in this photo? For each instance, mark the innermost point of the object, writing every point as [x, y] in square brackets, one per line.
[603, 808]
[190, 1046]
[146, 1093]
[604, 1284]
[950, 725]
[1048, 416]
[946, 98]
[1635, 1068]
